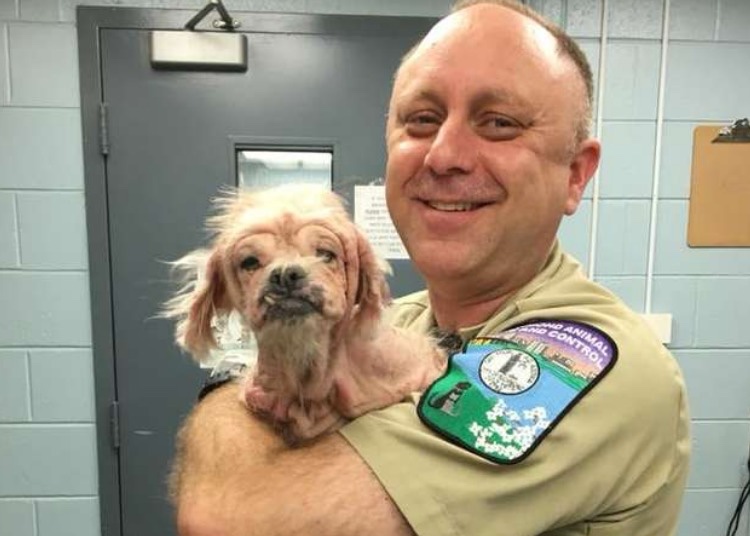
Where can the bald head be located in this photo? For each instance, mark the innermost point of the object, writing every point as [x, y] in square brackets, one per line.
[538, 31]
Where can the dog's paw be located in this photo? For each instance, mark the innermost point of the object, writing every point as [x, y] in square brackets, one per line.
[312, 420]
[265, 403]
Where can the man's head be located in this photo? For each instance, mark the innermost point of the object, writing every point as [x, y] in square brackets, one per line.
[486, 146]
[567, 47]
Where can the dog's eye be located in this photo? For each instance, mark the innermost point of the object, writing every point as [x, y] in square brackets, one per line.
[249, 263]
[325, 254]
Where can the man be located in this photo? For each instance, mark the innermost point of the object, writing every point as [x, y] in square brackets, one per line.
[488, 149]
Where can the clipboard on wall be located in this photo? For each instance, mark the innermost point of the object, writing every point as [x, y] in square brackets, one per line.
[719, 213]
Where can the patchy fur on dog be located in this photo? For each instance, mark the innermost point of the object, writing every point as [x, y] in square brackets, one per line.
[309, 285]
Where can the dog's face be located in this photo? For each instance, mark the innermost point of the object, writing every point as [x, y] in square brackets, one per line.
[280, 257]
[289, 269]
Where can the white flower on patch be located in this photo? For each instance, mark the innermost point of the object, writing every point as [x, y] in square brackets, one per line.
[537, 414]
[506, 430]
[503, 430]
[497, 411]
[475, 429]
[525, 438]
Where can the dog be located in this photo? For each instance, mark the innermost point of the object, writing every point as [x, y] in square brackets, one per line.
[313, 292]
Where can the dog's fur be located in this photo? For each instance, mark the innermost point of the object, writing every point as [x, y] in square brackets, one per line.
[312, 290]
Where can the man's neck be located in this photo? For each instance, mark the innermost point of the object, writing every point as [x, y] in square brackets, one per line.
[452, 315]
[460, 304]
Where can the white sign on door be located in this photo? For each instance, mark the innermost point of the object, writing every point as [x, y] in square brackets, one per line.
[371, 215]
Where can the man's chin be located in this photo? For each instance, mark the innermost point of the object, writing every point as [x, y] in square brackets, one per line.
[443, 261]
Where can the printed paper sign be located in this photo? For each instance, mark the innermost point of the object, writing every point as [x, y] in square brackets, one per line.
[371, 215]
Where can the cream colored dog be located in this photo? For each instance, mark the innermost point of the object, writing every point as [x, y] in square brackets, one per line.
[312, 290]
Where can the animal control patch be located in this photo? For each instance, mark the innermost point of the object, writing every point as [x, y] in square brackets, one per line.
[501, 396]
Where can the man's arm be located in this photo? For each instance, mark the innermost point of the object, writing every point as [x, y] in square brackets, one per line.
[234, 476]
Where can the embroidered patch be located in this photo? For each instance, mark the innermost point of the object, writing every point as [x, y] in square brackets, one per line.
[503, 394]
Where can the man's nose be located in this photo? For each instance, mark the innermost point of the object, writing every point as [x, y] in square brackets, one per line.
[453, 150]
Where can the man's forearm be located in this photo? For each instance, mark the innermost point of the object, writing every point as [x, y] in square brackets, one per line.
[234, 476]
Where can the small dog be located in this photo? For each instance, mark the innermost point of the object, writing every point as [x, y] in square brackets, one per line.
[311, 289]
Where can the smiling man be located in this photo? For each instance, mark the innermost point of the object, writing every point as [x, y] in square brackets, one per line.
[561, 414]
[483, 156]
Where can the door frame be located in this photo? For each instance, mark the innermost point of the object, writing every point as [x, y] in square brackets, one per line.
[90, 20]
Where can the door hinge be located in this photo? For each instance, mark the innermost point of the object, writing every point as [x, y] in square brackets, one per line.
[103, 129]
[114, 423]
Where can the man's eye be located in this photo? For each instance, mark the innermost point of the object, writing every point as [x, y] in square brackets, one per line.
[423, 118]
[326, 254]
[499, 127]
[249, 263]
[422, 123]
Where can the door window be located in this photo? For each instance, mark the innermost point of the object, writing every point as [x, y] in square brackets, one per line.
[266, 168]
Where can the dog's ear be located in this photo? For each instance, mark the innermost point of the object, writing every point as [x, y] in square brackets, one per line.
[373, 294]
[204, 294]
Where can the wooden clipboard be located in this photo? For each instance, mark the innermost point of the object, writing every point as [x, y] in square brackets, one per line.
[719, 214]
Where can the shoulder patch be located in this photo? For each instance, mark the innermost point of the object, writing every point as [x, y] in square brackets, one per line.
[503, 394]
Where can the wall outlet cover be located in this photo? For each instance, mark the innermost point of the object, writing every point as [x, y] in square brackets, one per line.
[661, 323]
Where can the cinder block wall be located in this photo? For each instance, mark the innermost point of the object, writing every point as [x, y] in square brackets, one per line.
[48, 471]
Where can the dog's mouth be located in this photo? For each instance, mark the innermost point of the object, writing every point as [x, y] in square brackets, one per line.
[291, 306]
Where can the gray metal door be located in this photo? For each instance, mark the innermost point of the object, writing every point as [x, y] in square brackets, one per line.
[171, 143]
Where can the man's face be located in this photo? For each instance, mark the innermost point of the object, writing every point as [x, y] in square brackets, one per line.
[482, 159]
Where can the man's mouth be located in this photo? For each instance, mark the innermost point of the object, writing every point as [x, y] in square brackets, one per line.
[453, 207]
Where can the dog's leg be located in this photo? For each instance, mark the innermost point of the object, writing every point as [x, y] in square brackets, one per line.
[314, 419]
[388, 371]
[262, 401]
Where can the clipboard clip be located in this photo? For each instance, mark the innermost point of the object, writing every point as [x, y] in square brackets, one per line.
[737, 132]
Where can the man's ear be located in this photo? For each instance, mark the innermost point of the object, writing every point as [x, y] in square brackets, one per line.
[582, 168]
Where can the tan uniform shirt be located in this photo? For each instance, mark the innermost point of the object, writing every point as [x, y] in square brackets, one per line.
[616, 464]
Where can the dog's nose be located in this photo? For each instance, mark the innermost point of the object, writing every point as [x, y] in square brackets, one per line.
[288, 277]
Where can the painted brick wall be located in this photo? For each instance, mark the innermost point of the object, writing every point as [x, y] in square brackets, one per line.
[46, 379]
[46, 386]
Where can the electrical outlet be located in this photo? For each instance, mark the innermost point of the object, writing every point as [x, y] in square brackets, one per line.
[661, 323]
